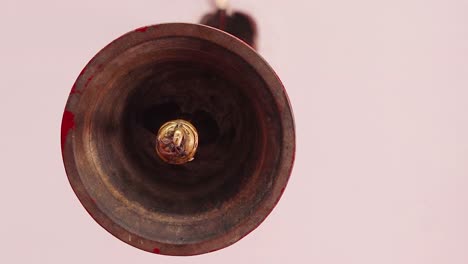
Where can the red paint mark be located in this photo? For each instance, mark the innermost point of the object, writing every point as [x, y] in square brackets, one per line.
[156, 251]
[89, 80]
[282, 190]
[142, 29]
[68, 123]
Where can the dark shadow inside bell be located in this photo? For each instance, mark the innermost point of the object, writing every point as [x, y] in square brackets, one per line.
[211, 97]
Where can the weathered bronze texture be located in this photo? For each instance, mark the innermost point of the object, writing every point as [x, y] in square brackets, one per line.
[166, 72]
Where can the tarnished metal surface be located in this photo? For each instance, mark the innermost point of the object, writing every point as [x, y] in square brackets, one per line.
[217, 83]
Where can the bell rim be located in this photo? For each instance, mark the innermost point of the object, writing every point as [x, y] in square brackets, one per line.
[230, 43]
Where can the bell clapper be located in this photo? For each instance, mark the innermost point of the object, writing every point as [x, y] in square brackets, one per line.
[177, 142]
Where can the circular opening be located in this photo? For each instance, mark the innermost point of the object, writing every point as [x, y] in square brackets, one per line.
[144, 80]
[227, 125]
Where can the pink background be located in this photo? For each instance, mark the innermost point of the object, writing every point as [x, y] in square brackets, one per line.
[379, 91]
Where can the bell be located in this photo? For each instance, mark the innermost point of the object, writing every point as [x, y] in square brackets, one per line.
[178, 138]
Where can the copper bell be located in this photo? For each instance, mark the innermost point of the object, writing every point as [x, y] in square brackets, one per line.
[179, 138]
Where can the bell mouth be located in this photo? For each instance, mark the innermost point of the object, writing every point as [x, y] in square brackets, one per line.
[245, 139]
[228, 123]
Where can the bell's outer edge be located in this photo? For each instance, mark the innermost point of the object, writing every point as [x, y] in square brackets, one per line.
[234, 45]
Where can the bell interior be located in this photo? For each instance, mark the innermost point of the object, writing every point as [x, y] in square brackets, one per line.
[233, 111]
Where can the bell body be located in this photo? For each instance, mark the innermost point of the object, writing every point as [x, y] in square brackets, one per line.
[244, 131]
